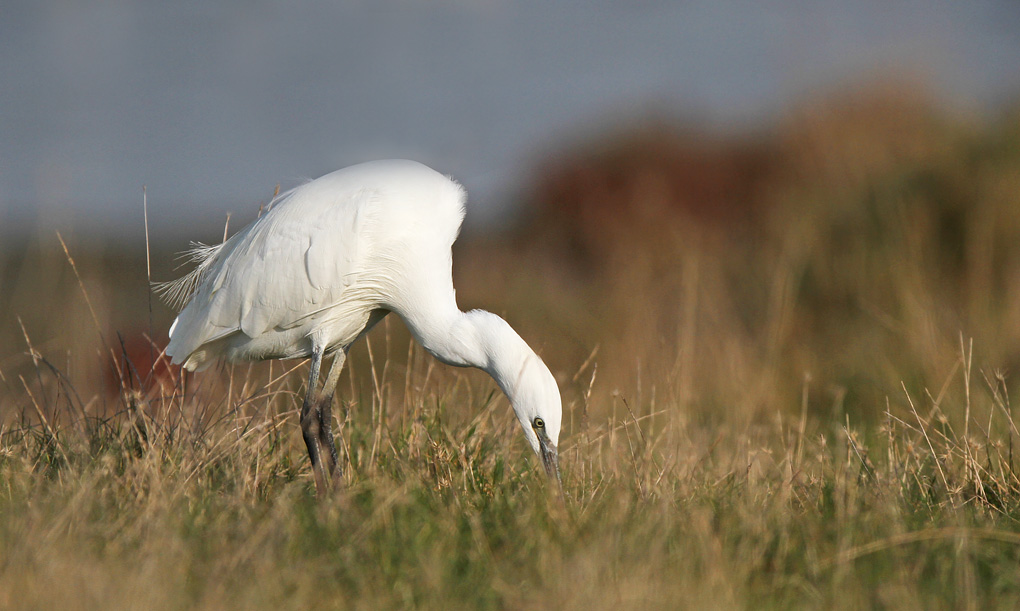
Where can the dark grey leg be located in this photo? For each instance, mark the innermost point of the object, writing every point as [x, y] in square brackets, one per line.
[310, 423]
[326, 441]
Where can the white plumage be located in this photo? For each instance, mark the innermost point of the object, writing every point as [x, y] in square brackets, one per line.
[326, 262]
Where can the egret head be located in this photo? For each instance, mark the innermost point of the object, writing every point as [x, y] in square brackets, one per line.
[536, 401]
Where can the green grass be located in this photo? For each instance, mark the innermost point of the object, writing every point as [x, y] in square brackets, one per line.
[443, 508]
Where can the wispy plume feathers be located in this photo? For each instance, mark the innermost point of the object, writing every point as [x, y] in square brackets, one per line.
[177, 293]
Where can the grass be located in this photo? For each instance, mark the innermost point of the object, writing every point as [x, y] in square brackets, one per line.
[157, 507]
[811, 410]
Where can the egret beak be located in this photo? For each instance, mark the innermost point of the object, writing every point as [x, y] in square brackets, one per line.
[550, 460]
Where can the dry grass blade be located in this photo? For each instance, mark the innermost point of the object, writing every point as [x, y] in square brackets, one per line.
[920, 536]
[920, 425]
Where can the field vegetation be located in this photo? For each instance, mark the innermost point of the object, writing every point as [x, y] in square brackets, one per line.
[787, 360]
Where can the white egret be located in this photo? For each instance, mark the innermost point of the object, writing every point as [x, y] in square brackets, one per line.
[327, 262]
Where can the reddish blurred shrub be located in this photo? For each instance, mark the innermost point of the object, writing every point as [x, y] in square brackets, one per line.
[647, 182]
[142, 366]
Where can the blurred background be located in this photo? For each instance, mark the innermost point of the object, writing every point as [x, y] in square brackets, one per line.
[733, 208]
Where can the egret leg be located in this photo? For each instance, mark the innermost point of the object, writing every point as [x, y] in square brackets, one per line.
[310, 423]
[326, 415]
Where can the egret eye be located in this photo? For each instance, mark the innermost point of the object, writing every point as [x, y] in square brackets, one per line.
[539, 423]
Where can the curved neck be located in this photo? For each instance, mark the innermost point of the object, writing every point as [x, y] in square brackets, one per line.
[475, 339]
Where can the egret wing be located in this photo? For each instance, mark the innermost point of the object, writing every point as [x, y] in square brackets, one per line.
[295, 261]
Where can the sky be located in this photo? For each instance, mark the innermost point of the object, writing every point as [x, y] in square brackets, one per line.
[211, 104]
